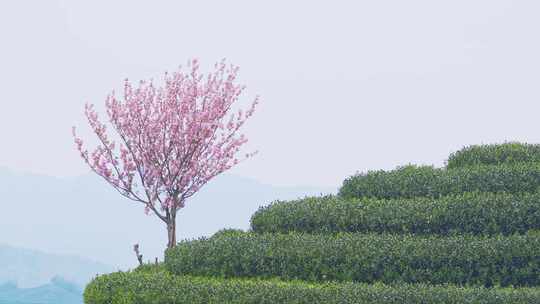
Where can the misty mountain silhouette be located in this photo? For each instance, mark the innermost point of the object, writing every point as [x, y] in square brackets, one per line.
[57, 291]
[85, 216]
[30, 268]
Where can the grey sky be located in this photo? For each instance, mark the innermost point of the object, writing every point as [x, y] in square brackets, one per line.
[345, 85]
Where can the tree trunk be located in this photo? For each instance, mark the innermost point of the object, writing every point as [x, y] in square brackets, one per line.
[171, 232]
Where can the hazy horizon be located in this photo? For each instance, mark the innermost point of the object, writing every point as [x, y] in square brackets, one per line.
[84, 216]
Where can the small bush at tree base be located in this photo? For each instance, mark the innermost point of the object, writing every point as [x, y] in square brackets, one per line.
[227, 232]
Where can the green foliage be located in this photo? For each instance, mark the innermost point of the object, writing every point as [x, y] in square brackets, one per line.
[494, 154]
[227, 232]
[468, 260]
[417, 181]
[475, 213]
[474, 224]
[151, 267]
[164, 288]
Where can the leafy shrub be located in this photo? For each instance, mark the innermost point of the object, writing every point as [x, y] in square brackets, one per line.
[164, 288]
[227, 232]
[150, 267]
[494, 154]
[417, 181]
[499, 260]
[475, 213]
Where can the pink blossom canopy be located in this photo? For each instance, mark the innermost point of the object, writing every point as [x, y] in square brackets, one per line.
[171, 139]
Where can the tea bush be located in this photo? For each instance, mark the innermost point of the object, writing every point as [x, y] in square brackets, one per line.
[165, 288]
[475, 213]
[417, 181]
[494, 154]
[465, 259]
[227, 232]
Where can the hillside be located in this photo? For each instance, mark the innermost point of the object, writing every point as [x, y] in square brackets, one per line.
[31, 268]
[57, 291]
[465, 233]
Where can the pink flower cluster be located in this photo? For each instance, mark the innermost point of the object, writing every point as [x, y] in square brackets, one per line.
[172, 139]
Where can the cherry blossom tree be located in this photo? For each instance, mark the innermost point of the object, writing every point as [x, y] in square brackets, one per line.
[169, 140]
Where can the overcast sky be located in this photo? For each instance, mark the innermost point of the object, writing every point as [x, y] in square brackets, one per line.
[344, 85]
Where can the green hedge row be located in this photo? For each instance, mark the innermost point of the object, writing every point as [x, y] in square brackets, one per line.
[475, 213]
[164, 288]
[465, 260]
[494, 154]
[416, 181]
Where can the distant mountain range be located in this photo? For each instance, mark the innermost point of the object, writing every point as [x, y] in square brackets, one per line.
[57, 291]
[84, 216]
[31, 268]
